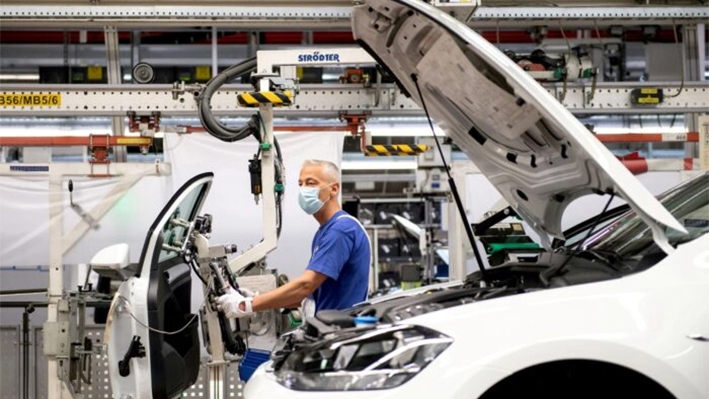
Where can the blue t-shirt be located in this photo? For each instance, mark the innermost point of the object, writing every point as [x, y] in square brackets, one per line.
[341, 251]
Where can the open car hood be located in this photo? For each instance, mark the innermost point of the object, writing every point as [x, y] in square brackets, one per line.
[535, 152]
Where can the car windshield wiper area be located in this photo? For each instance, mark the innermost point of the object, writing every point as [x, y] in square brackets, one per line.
[578, 267]
[611, 258]
[546, 275]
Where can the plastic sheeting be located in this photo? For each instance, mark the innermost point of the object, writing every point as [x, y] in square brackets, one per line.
[237, 219]
[24, 217]
[24, 202]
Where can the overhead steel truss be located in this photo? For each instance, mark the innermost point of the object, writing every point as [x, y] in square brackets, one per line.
[324, 16]
[587, 16]
[321, 100]
[131, 16]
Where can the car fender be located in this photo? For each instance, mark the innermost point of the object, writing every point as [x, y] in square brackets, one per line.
[632, 322]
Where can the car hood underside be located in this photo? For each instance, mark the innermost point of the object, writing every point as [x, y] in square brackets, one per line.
[535, 152]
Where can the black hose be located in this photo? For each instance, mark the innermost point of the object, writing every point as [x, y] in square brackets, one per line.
[251, 128]
[210, 123]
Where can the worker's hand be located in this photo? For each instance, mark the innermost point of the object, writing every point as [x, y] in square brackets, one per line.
[234, 305]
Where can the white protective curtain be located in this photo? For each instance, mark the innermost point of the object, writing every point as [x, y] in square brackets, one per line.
[24, 202]
[237, 219]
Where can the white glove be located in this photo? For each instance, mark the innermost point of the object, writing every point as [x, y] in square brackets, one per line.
[247, 292]
[230, 304]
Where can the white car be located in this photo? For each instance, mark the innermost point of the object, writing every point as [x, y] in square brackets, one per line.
[621, 312]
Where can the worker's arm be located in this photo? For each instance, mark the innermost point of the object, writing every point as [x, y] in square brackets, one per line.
[290, 293]
[294, 305]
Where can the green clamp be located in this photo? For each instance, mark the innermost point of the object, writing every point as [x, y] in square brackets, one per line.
[265, 146]
[559, 73]
[279, 187]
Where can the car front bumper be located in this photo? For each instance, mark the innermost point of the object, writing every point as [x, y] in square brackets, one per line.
[435, 381]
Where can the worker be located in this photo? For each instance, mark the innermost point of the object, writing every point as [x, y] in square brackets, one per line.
[337, 276]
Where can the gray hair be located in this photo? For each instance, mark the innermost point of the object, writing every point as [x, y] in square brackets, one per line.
[330, 169]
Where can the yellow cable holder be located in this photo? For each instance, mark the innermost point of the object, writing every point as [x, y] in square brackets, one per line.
[254, 99]
[394, 150]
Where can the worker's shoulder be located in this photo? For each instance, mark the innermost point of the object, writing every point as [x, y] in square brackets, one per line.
[345, 223]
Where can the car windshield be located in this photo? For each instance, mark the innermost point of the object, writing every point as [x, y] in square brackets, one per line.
[630, 238]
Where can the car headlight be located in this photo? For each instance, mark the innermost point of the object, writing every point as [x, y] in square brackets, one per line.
[381, 358]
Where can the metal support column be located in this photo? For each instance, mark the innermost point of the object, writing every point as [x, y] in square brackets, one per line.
[252, 44]
[258, 252]
[56, 389]
[426, 244]
[113, 68]
[215, 53]
[375, 257]
[693, 63]
[135, 47]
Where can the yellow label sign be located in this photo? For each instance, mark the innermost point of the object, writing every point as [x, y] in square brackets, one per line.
[30, 100]
[202, 73]
[648, 91]
[94, 72]
[648, 100]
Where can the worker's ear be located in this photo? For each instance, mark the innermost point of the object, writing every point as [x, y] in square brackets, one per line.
[335, 189]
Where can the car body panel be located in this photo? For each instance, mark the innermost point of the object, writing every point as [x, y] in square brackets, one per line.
[525, 142]
[630, 322]
[144, 295]
[533, 150]
[415, 291]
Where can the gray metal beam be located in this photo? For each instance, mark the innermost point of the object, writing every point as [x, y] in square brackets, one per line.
[378, 177]
[113, 70]
[587, 16]
[131, 16]
[323, 100]
[326, 15]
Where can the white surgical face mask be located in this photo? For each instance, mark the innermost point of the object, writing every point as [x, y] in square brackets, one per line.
[309, 199]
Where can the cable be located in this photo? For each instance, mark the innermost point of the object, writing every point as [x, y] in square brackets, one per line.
[563, 34]
[155, 330]
[566, 69]
[681, 86]
[546, 274]
[278, 175]
[600, 39]
[451, 183]
[251, 128]
[603, 48]
[210, 123]
[193, 264]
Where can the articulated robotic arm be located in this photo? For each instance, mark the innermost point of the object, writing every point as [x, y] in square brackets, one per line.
[152, 335]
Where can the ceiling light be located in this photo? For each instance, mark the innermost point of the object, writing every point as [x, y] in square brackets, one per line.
[379, 165]
[402, 130]
[645, 129]
[24, 76]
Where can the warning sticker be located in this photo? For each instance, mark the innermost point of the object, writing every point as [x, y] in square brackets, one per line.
[30, 100]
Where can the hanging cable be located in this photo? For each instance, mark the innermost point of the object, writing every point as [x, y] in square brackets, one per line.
[545, 276]
[251, 128]
[566, 69]
[679, 49]
[279, 177]
[453, 187]
[155, 330]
